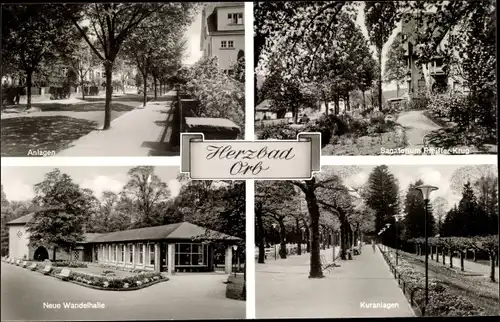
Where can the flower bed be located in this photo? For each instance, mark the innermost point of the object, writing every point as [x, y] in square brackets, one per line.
[71, 264]
[442, 302]
[114, 283]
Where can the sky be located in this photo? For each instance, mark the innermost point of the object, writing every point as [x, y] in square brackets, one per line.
[436, 175]
[192, 35]
[18, 182]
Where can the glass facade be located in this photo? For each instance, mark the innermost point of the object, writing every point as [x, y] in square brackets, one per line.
[190, 254]
[151, 254]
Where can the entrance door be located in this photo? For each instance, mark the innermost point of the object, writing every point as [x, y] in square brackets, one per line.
[41, 254]
[163, 257]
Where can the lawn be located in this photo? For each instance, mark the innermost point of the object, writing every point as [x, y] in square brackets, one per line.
[477, 289]
[364, 145]
[46, 133]
[235, 287]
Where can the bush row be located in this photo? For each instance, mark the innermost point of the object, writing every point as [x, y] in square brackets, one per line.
[486, 243]
[442, 302]
[116, 282]
[71, 264]
[333, 125]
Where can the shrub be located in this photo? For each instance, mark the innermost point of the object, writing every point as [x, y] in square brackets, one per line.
[71, 264]
[279, 132]
[219, 94]
[115, 283]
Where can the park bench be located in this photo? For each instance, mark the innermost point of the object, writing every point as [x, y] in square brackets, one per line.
[24, 264]
[267, 252]
[47, 269]
[32, 267]
[64, 275]
[325, 265]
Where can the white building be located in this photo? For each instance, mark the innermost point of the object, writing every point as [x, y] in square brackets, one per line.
[223, 32]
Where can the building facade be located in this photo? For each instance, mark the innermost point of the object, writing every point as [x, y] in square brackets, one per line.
[434, 76]
[223, 32]
[168, 248]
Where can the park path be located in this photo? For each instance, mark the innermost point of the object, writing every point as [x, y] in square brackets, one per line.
[417, 126]
[140, 132]
[185, 296]
[283, 289]
[469, 266]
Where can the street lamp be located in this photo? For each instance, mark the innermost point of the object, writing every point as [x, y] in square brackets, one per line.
[426, 191]
[275, 254]
[396, 218]
[235, 248]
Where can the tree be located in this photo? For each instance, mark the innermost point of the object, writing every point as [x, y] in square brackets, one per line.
[439, 208]
[82, 60]
[380, 19]
[382, 196]
[151, 44]
[145, 190]
[64, 209]
[112, 24]
[276, 200]
[32, 35]
[395, 66]
[415, 218]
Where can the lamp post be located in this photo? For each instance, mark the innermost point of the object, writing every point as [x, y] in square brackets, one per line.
[426, 191]
[396, 218]
[235, 249]
[275, 252]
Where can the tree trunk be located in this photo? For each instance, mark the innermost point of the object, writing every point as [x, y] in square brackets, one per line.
[326, 103]
[492, 266]
[397, 89]
[364, 100]
[380, 79]
[343, 241]
[262, 250]
[109, 92]
[462, 261]
[29, 81]
[295, 114]
[54, 253]
[451, 258]
[82, 80]
[312, 205]
[282, 239]
[308, 240]
[432, 254]
[474, 255]
[299, 235]
[156, 89]
[437, 254]
[145, 88]
[444, 255]
[348, 102]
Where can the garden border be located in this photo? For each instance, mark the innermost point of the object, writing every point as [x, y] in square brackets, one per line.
[135, 288]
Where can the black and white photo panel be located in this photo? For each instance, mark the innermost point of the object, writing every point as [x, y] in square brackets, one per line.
[120, 79]
[378, 77]
[378, 241]
[120, 243]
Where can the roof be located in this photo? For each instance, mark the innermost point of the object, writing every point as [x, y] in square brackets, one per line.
[22, 220]
[182, 230]
[210, 122]
[265, 105]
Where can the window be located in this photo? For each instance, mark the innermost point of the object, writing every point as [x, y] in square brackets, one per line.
[235, 18]
[141, 254]
[96, 253]
[190, 254]
[230, 44]
[130, 254]
[115, 253]
[223, 44]
[151, 254]
[109, 252]
[122, 257]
